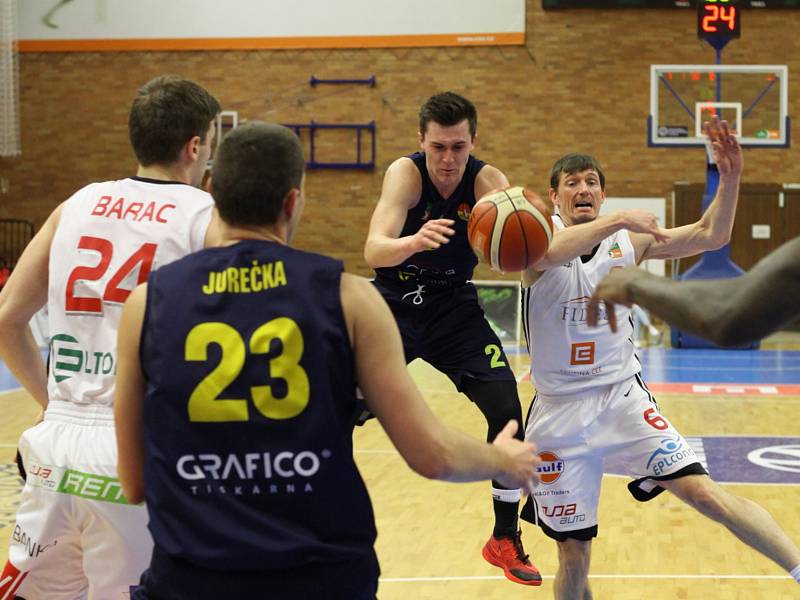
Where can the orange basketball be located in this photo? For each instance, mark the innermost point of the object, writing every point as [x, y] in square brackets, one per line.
[508, 231]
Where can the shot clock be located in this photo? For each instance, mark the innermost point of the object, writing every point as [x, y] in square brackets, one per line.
[718, 21]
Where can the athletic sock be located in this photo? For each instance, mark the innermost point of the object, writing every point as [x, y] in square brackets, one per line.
[506, 508]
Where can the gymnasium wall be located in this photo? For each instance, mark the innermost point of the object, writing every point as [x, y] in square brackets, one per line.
[579, 84]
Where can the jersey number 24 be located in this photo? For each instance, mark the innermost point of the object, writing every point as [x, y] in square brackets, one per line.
[144, 256]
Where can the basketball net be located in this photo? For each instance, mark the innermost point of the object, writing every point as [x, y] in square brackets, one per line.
[9, 80]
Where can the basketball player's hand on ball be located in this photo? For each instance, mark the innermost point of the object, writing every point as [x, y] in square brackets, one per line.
[642, 221]
[519, 469]
[432, 235]
[725, 146]
[614, 288]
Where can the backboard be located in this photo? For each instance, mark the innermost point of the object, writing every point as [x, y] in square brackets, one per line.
[752, 98]
[226, 121]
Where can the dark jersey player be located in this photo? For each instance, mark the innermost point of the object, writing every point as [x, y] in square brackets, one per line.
[418, 246]
[235, 393]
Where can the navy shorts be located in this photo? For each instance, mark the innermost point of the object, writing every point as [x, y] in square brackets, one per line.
[170, 578]
[447, 328]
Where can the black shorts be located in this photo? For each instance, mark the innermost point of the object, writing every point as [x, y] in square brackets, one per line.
[170, 578]
[447, 328]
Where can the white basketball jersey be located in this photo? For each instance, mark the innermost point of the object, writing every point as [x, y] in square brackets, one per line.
[109, 237]
[567, 355]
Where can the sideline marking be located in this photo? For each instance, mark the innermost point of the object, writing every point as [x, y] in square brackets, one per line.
[766, 390]
[730, 389]
[599, 576]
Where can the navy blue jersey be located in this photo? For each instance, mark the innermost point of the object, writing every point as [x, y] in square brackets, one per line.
[248, 412]
[453, 263]
[449, 331]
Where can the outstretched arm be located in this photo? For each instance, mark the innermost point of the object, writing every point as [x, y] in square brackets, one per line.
[428, 446]
[729, 312]
[713, 230]
[573, 241]
[402, 186]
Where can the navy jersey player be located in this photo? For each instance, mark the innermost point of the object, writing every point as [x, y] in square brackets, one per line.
[418, 246]
[235, 394]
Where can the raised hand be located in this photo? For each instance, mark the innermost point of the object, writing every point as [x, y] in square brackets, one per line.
[725, 147]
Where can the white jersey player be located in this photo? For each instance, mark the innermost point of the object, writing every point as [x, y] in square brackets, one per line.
[75, 535]
[109, 237]
[589, 357]
[591, 402]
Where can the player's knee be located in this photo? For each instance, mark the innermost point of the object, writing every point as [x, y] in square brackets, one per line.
[574, 557]
[499, 403]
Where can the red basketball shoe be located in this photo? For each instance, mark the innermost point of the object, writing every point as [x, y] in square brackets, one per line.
[508, 554]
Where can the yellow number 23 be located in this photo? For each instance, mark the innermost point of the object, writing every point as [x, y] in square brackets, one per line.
[204, 403]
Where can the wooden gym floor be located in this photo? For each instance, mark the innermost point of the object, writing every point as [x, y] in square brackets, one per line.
[431, 533]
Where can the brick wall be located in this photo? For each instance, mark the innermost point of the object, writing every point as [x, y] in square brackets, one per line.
[580, 83]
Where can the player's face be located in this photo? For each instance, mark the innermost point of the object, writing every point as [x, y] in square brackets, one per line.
[204, 154]
[578, 197]
[446, 150]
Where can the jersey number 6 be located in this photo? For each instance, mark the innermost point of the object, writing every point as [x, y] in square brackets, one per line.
[655, 420]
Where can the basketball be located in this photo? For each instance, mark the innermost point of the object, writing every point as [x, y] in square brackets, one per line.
[508, 231]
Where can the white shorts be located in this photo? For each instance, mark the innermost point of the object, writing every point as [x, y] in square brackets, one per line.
[574, 434]
[75, 536]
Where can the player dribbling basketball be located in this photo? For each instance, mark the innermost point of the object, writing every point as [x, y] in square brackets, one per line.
[418, 246]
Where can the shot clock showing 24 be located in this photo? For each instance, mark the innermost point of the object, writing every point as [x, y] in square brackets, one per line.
[718, 20]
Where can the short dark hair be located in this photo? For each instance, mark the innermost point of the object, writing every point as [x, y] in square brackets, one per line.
[575, 163]
[256, 166]
[448, 108]
[166, 113]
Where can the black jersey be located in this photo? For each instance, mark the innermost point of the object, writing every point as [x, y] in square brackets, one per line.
[451, 264]
[247, 416]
